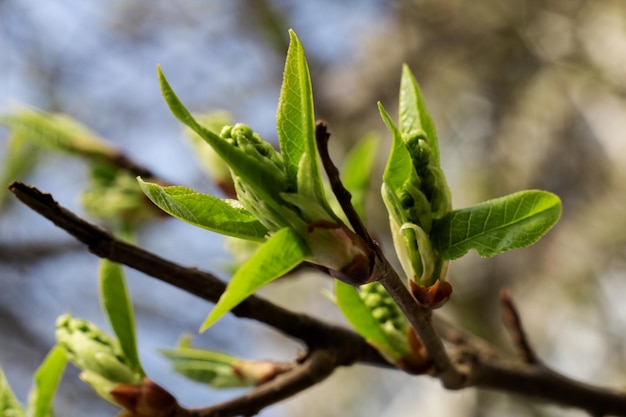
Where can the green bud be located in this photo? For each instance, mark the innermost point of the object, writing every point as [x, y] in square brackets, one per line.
[95, 353]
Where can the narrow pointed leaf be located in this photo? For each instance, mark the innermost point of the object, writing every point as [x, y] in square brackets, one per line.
[513, 221]
[356, 172]
[399, 164]
[118, 308]
[279, 255]
[251, 170]
[360, 317]
[45, 383]
[227, 217]
[295, 120]
[414, 115]
[9, 405]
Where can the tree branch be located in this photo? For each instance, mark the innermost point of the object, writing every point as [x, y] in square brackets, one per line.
[418, 316]
[343, 196]
[319, 364]
[311, 331]
[481, 367]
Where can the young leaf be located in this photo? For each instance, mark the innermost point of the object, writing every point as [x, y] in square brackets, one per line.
[117, 305]
[399, 165]
[253, 171]
[45, 382]
[494, 226]
[414, 115]
[9, 405]
[356, 172]
[360, 317]
[282, 252]
[227, 217]
[295, 118]
[213, 368]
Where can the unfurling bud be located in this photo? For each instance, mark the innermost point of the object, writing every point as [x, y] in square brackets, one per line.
[96, 354]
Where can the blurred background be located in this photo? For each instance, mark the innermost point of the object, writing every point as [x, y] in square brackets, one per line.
[527, 94]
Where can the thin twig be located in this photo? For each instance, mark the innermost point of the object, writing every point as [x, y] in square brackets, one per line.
[343, 196]
[513, 324]
[316, 367]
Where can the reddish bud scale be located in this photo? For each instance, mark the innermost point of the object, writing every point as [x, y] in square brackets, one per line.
[145, 400]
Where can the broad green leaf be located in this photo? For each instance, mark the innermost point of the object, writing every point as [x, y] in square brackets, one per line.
[118, 308]
[19, 160]
[58, 132]
[45, 382]
[253, 171]
[227, 217]
[494, 226]
[9, 405]
[399, 165]
[356, 172]
[360, 317]
[295, 120]
[414, 115]
[282, 252]
[213, 368]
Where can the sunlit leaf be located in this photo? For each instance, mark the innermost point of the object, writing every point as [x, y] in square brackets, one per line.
[227, 217]
[414, 115]
[118, 308]
[45, 382]
[282, 252]
[9, 405]
[494, 226]
[266, 182]
[399, 165]
[295, 120]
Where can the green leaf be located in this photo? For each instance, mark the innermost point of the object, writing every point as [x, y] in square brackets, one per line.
[118, 308]
[213, 368]
[227, 217]
[492, 227]
[58, 132]
[356, 172]
[414, 115]
[253, 171]
[360, 317]
[399, 165]
[282, 252]
[295, 120]
[46, 381]
[9, 405]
